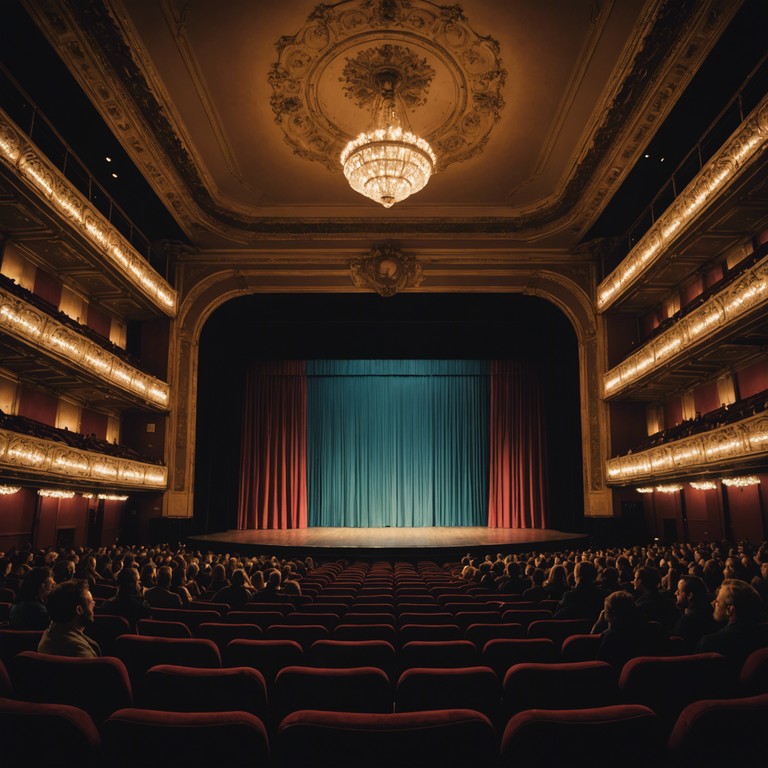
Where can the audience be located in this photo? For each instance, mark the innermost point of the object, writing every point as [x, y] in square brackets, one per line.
[696, 619]
[585, 601]
[161, 595]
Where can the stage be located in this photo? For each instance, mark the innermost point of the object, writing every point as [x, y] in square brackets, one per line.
[388, 543]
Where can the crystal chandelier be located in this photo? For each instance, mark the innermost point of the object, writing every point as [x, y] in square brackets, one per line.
[388, 163]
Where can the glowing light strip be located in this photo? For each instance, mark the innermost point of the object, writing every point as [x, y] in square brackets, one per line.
[49, 458]
[746, 295]
[32, 165]
[23, 321]
[741, 482]
[723, 447]
[744, 146]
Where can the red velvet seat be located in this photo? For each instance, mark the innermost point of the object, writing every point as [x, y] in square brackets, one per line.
[502, 654]
[99, 686]
[384, 632]
[342, 654]
[157, 739]
[753, 678]
[524, 616]
[41, 735]
[140, 653]
[192, 618]
[667, 684]
[427, 617]
[6, 686]
[449, 653]
[187, 689]
[261, 619]
[340, 609]
[268, 656]
[422, 688]
[360, 617]
[303, 634]
[222, 633]
[106, 629]
[467, 618]
[157, 628]
[327, 620]
[429, 632]
[720, 732]
[575, 685]
[357, 689]
[557, 630]
[455, 737]
[481, 633]
[575, 738]
[581, 647]
[258, 606]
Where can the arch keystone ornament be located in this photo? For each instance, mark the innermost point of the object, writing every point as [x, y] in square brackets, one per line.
[387, 270]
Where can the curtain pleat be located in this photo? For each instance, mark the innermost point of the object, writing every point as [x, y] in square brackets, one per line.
[517, 495]
[273, 458]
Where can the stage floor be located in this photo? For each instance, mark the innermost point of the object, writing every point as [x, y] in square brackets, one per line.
[424, 543]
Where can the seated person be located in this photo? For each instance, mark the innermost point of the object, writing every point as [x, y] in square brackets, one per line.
[696, 619]
[538, 591]
[128, 602]
[585, 601]
[238, 593]
[652, 604]
[70, 606]
[161, 595]
[29, 611]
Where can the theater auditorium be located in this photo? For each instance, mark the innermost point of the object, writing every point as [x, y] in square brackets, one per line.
[403, 323]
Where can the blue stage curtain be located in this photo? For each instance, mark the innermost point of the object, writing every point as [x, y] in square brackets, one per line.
[397, 442]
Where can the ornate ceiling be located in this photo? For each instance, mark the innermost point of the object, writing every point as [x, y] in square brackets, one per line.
[236, 111]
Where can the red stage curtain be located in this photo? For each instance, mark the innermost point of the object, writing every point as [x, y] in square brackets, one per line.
[517, 493]
[273, 459]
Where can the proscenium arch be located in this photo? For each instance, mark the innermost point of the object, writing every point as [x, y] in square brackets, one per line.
[217, 288]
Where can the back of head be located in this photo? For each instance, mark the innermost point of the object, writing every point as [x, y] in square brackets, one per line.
[65, 598]
[745, 600]
[620, 609]
[585, 572]
[33, 580]
[164, 576]
[648, 577]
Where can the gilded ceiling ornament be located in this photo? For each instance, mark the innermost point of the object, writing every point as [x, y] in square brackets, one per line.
[387, 270]
[450, 72]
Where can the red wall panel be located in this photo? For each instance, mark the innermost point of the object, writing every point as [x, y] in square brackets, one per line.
[47, 287]
[37, 405]
[706, 399]
[753, 379]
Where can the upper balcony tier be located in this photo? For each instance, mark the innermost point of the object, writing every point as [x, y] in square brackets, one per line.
[36, 345]
[44, 211]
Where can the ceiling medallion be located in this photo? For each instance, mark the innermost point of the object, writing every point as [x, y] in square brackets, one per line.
[387, 270]
[445, 69]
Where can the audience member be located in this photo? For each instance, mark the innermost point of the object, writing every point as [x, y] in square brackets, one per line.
[129, 600]
[585, 600]
[236, 594]
[29, 610]
[70, 607]
[652, 604]
[696, 619]
[161, 596]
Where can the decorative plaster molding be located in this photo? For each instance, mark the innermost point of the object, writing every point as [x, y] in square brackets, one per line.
[49, 184]
[723, 448]
[387, 270]
[471, 64]
[748, 294]
[743, 148]
[41, 331]
[48, 459]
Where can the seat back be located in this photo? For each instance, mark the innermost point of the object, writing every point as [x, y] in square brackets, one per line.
[539, 737]
[343, 654]
[359, 689]
[156, 628]
[753, 678]
[422, 688]
[222, 633]
[150, 738]
[557, 630]
[13, 641]
[455, 737]
[99, 686]
[187, 689]
[448, 653]
[303, 634]
[68, 730]
[429, 632]
[140, 653]
[481, 633]
[268, 656]
[581, 647]
[359, 632]
[502, 654]
[715, 731]
[667, 684]
[192, 618]
[566, 685]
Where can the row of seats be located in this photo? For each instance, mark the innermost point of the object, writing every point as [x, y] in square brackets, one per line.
[708, 732]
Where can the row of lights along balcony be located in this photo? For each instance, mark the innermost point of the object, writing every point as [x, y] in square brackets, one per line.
[32, 166]
[742, 148]
[50, 458]
[745, 481]
[745, 296]
[33, 326]
[731, 444]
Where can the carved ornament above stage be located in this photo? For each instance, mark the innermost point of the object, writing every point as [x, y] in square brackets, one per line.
[453, 75]
[387, 270]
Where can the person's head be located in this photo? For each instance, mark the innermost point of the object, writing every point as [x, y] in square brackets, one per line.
[647, 579]
[691, 592]
[730, 569]
[128, 582]
[537, 577]
[291, 587]
[36, 585]
[738, 601]
[164, 577]
[71, 602]
[620, 609]
[239, 578]
[585, 572]
[557, 575]
[149, 575]
[63, 570]
[274, 579]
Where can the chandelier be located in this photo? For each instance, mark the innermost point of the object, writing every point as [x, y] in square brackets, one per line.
[388, 163]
